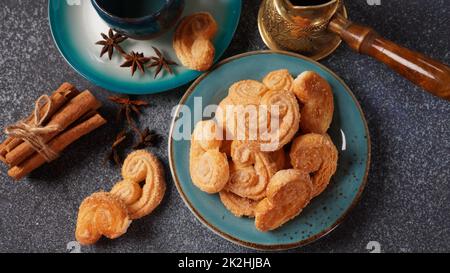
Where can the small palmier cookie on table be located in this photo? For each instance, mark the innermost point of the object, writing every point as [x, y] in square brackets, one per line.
[101, 214]
[141, 166]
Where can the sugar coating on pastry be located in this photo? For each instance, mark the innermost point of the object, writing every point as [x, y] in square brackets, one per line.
[317, 155]
[128, 191]
[243, 152]
[248, 181]
[282, 121]
[210, 171]
[247, 92]
[223, 115]
[279, 80]
[101, 214]
[141, 166]
[238, 112]
[250, 171]
[239, 206]
[192, 41]
[208, 135]
[208, 166]
[288, 192]
[316, 95]
[238, 121]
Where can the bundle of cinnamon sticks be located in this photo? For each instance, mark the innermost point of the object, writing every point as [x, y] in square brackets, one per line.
[66, 116]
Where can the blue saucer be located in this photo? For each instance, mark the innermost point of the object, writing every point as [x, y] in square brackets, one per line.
[348, 131]
[76, 27]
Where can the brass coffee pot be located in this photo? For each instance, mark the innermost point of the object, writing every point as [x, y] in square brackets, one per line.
[317, 30]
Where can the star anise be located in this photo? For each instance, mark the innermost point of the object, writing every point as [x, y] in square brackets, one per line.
[127, 107]
[111, 42]
[147, 138]
[135, 60]
[160, 62]
[114, 153]
[129, 110]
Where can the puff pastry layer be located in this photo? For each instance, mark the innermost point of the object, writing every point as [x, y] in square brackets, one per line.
[315, 94]
[192, 41]
[207, 164]
[279, 80]
[315, 154]
[101, 214]
[288, 192]
[141, 166]
[239, 206]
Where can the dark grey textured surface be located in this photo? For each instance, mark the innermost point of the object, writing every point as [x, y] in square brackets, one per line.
[405, 207]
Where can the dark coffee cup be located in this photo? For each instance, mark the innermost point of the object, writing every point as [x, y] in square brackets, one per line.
[140, 19]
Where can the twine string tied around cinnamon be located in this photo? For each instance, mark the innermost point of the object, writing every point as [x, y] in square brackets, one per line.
[31, 133]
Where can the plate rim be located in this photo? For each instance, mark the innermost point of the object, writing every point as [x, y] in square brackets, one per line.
[228, 237]
[193, 75]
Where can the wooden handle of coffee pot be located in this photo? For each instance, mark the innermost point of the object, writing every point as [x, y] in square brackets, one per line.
[427, 73]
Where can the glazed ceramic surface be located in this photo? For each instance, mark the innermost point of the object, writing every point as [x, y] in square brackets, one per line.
[348, 131]
[76, 27]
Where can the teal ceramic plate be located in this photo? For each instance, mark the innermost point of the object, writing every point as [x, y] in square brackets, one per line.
[76, 27]
[348, 131]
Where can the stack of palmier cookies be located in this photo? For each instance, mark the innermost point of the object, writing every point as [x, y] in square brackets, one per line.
[269, 178]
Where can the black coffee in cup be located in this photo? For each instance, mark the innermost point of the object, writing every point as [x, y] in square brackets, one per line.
[132, 8]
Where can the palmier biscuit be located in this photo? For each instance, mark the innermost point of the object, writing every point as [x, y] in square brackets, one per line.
[208, 135]
[279, 80]
[250, 171]
[101, 214]
[238, 112]
[239, 206]
[282, 107]
[288, 192]
[247, 92]
[141, 166]
[192, 41]
[238, 121]
[316, 95]
[244, 153]
[317, 155]
[248, 182]
[210, 171]
[224, 113]
[207, 164]
[128, 191]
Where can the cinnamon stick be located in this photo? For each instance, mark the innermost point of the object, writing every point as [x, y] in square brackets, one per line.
[59, 97]
[71, 112]
[2, 154]
[3, 151]
[58, 144]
